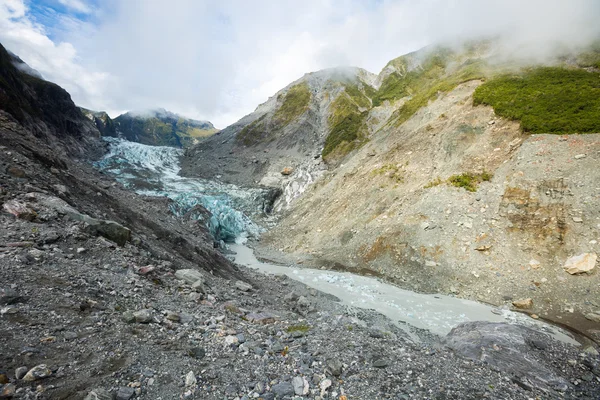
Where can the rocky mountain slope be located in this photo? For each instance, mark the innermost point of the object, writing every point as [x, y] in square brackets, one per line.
[433, 179]
[154, 127]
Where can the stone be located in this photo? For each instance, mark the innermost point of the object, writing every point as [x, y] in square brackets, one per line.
[125, 393]
[173, 316]
[534, 264]
[10, 296]
[577, 219]
[19, 210]
[16, 172]
[324, 385]
[230, 340]
[593, 317]
[190, 379]
[3, 378]
[430, 263]
[261, 318]
[507, 348]
[303, 302]
[287, 171]
[301, 386]
[283, 389]
[243, 286]
[380, 363]
[523, 303]
[128, 317]
[143, 316]
[198, 286]
[579, 264]
[99, 394]
[197, 353]
[7, 391]
[40, 371]
[579, 156]
[189, 276]
[335, 367]
[21, 372]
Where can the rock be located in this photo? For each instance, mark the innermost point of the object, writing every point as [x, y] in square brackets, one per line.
[283, 389]
[189, 276]
[111, 230]
[19, 210]
[243, 286]
[143, 316]
[507, 348]
[303, 302]
[3, 378]
[197, 353]
[523, 303]
[16, 172]
[230, 340]
[10, 296]
[173, 316]
[577, 219]
[261, 318]
[128, 317]
[324, 385]
[579, 156]
[287, 171]
[335, 367]
[301, 386]
[190, 379]
[99, 394]
[380, 363]
[125, 393]
[534, 264]
[20, 372]
[593, 317]
[8, 391]
[38, 372]
[582, 263]
[198, 286]
[430, 263]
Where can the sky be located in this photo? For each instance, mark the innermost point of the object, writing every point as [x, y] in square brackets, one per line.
[218, 60]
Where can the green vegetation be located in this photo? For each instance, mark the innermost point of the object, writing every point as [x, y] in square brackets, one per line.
[346, 122]
[546, 99]
[254, 132]
[298, 328]
[390, 170]
[436, 182]
[295, 104]
[469, 181]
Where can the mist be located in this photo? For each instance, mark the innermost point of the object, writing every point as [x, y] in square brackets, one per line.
[217, 62]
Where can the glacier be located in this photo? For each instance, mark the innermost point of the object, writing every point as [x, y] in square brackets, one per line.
[154, 171]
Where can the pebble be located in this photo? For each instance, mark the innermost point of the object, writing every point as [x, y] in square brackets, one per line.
[143, 316]
[8, 391]
[38, 372]
[99, 394]
[190, 379]
[125, 393]
[20, 372]
[243, 286]
[335, 367]
[283, 389]
[301, 386]
[197, 352]
[380, 363]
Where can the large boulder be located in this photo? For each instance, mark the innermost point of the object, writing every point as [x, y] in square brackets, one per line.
[512, 349]
[582, 263]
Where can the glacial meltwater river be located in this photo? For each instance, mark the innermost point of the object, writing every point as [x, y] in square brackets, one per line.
[153, 170]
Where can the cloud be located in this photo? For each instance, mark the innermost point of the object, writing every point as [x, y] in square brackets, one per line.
[219, 60]
[76, 5]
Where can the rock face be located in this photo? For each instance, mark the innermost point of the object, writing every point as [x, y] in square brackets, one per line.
[509, 348]
[581, 263]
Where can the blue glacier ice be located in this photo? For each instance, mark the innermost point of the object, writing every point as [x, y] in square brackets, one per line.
[154, 171]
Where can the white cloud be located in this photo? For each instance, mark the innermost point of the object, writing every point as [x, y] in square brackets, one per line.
[76, 5]
[218, 61]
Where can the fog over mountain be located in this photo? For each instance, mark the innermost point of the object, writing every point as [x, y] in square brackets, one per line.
[218, 61]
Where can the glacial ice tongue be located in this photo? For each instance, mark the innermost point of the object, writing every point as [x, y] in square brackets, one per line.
[153, 171]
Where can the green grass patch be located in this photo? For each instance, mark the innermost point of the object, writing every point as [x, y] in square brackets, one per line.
[346, 122]
[254, 132]
[546, 99]
[436, 182]
[295, 104]
[392, 171]
[298, 328]
[469, 181]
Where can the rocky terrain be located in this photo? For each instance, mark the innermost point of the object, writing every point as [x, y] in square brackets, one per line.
[108, 295]
[436, 191]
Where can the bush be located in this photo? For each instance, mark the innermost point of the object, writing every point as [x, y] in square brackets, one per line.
[546, 99]
[469, 181]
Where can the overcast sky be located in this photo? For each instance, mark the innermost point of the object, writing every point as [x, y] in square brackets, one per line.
[217, 60]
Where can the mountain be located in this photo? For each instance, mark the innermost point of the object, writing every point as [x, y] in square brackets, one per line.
[456, 170]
